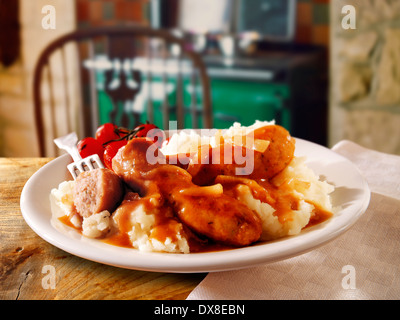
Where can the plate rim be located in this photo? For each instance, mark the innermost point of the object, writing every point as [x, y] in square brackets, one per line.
[180, 263]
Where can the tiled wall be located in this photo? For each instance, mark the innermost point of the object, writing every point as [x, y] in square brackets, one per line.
[313, 22]
[108, 13]
[312, 16]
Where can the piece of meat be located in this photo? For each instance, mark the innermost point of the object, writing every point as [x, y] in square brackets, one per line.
[254, 165]
[97, 190]
[210, 162]
[221, 218]
[217, 216]
[277, 156]
[135, 160]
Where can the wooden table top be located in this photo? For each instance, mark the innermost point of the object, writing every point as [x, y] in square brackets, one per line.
[25, 258]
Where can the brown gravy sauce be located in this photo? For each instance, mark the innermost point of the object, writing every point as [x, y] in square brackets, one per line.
[280, 198]
[166, 224]
[67, 221]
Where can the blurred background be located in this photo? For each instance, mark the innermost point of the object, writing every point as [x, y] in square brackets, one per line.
[287, 60]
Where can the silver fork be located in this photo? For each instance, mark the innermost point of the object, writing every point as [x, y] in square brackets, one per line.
[68, 143]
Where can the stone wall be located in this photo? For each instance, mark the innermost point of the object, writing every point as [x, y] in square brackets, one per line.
[365, 75]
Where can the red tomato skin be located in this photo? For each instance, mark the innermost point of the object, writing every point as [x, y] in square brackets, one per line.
[106, 133]
[145, 129]
[111, 150]
[152, 132]
[89, 146]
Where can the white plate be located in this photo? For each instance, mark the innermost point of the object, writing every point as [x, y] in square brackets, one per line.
[352, 194]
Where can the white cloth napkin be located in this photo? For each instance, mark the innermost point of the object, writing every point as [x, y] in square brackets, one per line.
[363, 263]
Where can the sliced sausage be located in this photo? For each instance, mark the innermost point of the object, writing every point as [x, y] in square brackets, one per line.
[96, 191]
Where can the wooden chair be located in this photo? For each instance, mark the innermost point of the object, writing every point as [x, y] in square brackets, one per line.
[120, 75]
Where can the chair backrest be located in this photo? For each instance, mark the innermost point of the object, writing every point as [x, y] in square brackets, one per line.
[123, 75]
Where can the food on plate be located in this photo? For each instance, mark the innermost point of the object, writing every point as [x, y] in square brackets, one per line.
[108, 132]
[109, 138]
[97, 190]
[214, 215]
[277, 155]
[88, 146]
[195, 191]
[111, 150]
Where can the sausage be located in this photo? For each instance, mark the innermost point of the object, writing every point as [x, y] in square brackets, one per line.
[97, 190]
[217, 216]
[134, 161]
[278, 155]
[263, 165]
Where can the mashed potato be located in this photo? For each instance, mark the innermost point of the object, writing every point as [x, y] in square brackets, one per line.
[188, 141]
[62, 203]
[306, 186]
[313, 196]
[144, 229]
[62, 206]
[101, 224]
[271, 226]
[97, 225]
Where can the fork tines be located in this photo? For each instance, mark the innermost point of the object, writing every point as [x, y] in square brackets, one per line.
[89, 163]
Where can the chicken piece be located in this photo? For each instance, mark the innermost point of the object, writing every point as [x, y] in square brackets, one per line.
[221, 218]
[210, 163]
[217, 216]
[97, 190]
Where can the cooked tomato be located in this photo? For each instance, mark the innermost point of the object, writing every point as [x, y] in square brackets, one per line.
[147, 130]
[111, 150]
[89, 146]
[107, 132]
[143, 129]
